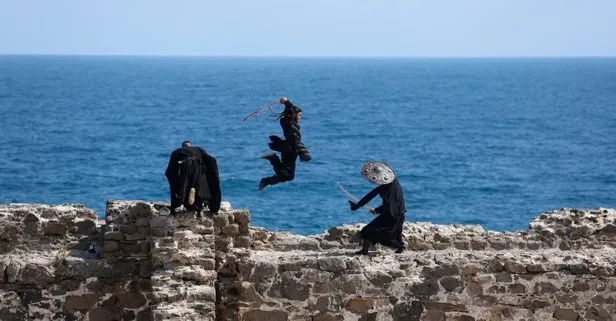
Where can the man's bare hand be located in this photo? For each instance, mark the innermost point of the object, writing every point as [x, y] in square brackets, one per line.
[283, 100]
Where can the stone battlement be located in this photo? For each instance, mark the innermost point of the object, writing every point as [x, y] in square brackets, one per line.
[60, 263]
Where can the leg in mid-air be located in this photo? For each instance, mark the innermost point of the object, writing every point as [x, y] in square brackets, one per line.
[284, 169]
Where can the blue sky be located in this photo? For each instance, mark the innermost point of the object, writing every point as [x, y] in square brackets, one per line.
[424, 28]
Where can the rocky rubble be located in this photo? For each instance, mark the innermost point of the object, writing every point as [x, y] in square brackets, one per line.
[60, 263]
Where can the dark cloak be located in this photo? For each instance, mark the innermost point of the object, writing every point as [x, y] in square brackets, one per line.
[387, 227]
[293, 137]
[192, 167]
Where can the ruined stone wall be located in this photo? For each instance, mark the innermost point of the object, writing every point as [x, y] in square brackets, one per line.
[562, 268]
[60, 263]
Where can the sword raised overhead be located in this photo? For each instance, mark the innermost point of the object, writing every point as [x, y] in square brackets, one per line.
[260, 110]
[355, 199]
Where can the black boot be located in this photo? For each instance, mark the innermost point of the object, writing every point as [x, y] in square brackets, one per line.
[400, 249]
[269, 156]
[365, 247]
[264, 182]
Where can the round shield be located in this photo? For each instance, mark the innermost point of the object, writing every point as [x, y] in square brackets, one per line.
[377, 172]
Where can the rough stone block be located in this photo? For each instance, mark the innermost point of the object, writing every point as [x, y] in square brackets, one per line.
[378, 278]
[37, 274]
[445, 306]
[55, 228]
[222, 219]
[565, 314]
[358, 305]
[101, 314]
[327, 317]
[242, 242]
[440, 246]
[332, 264]
[85, 227]
[261, 315]
[441, 270]
[407, 311]
[478, 244]
[230, 230]
[516, 288]
[80, 302]
[114, 235]
[533, 304]
[451, 283]
[111, 246]
[503, 277]
[474, 288]
[462, 245]
[241, 217]
[515, 267]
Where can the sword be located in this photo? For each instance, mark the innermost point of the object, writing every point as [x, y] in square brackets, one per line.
[260, 110]
[354, 199]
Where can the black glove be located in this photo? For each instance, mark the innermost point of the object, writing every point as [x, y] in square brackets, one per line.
[354, 206]
[305, 157]
[275, 139]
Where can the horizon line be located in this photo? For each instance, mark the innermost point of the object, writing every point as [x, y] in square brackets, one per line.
[297, 56]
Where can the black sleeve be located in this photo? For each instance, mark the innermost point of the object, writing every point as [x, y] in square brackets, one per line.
[172, 167]
[369, 196]
[214, 184]
[292, 134]
[288, 106]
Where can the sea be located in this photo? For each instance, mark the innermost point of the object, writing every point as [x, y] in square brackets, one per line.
[493, 142]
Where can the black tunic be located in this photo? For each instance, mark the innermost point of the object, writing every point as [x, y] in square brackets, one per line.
[293, 137]
[387, 227]
[191, 167]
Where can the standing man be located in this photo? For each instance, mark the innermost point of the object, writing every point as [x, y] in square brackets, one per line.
[193, 179]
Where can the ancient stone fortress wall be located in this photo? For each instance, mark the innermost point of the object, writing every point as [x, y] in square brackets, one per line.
[60, 263]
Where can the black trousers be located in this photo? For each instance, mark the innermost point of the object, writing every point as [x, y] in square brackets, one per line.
[284, 168]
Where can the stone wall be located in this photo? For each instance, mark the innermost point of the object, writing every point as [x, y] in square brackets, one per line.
[562, 268]
[60, 263]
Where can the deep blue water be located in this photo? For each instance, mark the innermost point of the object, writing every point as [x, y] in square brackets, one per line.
[484, 141]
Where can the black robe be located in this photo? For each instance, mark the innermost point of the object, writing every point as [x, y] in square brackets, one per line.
[293, 137]
[387, 227]
[192, 167]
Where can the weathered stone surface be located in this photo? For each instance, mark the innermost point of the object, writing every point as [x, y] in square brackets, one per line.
[451, 283]
[101, 314]
[359, 305]
[111, 246]
[80, 302]
[515, 267]
[333, 264]
[145, 315]
[85, 227]
[503, 277]
[565, 314]
[218, 267]
[407, 311]
[116, 236]
[55, 228]
[131, 300]
[260, 315]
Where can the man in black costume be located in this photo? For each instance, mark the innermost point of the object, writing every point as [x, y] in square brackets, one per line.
[290, 148]
[387, 227]
[193, 179]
